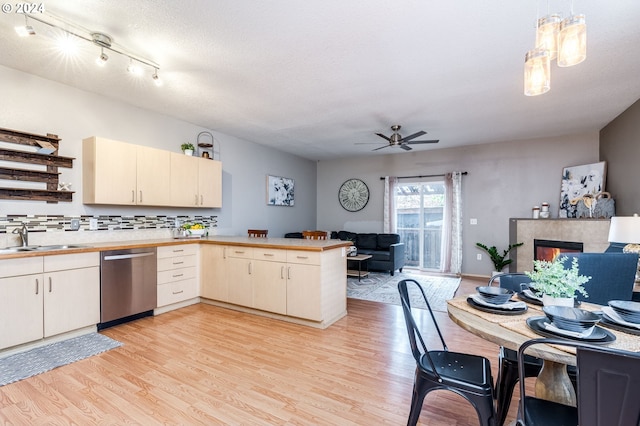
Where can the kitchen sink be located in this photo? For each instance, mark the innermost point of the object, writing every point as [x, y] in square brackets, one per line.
[59, 247]
[20, 249]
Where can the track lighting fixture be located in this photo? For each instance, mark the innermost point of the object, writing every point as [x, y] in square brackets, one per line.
[156, 78]
[71, 32]
[103, 58]
[26, 29]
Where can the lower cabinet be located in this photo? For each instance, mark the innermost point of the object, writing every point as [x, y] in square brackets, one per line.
[47, 296]
[304, 295]
[239, 269]
[177, 273]
[213, 279]
[269, 278]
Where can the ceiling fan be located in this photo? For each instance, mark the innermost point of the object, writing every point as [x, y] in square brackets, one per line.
[396, 139]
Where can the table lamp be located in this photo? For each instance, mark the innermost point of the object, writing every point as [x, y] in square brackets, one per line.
[626, 230]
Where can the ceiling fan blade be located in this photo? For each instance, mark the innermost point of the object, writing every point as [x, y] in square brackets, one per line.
[405, 147]
[367, 143]
[413, 136]
[384, 136]
[386, 146]
[417, 142]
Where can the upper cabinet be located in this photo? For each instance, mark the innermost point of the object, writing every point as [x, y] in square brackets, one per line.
[125, 174]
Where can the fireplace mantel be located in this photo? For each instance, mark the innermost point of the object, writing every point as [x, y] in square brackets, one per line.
[593, 233]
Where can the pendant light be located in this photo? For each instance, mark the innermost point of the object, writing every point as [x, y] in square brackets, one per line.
[572, 41]
[547, 34]
[537, 72]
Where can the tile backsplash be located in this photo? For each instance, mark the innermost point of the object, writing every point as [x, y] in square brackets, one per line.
[47, 229]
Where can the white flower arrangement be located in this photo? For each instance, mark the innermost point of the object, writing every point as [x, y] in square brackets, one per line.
[552, 279]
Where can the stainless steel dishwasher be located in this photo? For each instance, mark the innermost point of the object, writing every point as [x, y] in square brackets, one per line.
[128, 285]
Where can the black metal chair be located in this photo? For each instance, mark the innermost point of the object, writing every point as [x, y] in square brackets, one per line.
[508, 358]
[466, 375]
[608, 389]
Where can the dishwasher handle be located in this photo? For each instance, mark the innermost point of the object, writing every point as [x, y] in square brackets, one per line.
[128, 256]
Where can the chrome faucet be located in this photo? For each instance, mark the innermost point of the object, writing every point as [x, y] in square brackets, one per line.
[24, 234]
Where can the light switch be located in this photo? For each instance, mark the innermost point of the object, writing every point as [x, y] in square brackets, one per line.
[473, 221]
[75, 224]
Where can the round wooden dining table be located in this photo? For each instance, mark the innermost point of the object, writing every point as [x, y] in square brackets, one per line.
[511, 331]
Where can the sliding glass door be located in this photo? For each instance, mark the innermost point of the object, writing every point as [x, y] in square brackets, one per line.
[419, 219]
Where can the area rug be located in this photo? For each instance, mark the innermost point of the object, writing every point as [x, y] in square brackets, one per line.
[38, 360]
[381, 287]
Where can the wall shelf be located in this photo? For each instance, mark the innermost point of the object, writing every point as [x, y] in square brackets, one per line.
[44, 153]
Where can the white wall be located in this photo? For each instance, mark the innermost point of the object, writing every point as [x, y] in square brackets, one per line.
[505, 180]
[35, 105]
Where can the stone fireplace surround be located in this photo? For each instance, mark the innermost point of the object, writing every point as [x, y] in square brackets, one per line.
[593, 233]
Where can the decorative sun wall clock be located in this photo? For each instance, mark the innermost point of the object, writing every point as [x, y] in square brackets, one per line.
[353, 195]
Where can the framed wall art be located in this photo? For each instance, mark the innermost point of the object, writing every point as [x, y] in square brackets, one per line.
[578, 181]
[280, 191]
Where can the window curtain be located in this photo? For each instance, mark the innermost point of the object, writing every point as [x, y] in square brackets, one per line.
[389, 205]
[452, 227]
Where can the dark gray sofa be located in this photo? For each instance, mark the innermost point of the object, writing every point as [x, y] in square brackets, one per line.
[386, 250]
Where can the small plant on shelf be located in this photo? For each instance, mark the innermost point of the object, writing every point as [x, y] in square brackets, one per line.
[187, 147]
[499, 260]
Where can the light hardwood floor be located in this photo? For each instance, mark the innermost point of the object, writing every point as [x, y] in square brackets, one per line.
[208, 365]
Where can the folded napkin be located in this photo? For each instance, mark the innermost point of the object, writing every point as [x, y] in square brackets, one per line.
[508, 305]
[608, 311]
[531, 295]
[580, 335]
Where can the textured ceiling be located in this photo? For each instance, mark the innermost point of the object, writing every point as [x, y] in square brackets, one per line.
[316, 77]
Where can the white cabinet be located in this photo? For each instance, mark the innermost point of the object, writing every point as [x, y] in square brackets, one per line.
[195, 181]
[45, 296]
[120, 173]
[21, 299]
[71, 292]
[213, 280]
[178, 276]
[304, 290]
[306, 284]
[239, 268]
[270, 280]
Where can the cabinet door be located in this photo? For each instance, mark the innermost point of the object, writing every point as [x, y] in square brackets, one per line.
[209, 183]
[239, 281]
[270, 286]
[153, 176]
[109, 172]
[213, 270]
[303, 291]
[71, 300]
[184, 181]
[20, 309]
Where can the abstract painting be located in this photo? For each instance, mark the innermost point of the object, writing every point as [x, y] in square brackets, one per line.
[578, 181]
[279, 191]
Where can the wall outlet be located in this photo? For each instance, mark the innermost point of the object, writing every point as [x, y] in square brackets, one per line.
[93, 224]
[479, 256]
[75, 224]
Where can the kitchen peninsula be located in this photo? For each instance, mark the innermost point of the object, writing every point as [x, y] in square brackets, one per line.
[301, 281]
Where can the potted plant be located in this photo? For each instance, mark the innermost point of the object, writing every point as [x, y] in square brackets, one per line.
[557, 284]
[499, 260]
[187, 148]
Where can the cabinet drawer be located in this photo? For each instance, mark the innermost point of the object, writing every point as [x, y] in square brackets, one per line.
[177, 292]
[170, 263]
[241, 252]
[304, 257]
[273, 255]
[20, 266]
[176, 275]
[63, 262]
[179, 250]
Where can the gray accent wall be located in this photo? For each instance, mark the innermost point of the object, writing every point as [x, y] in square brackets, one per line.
[505, 180]
[35, 105]
[620, 148]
